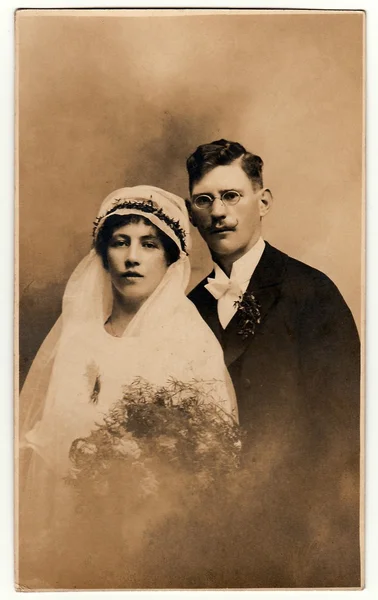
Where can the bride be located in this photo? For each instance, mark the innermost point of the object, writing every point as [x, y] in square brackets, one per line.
[124, 316]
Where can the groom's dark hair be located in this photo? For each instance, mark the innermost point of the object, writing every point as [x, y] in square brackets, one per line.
[223, 152]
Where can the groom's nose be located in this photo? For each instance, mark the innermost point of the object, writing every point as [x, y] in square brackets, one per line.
[218, 209]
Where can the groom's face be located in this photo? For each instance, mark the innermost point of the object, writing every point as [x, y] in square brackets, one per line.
[229, 230]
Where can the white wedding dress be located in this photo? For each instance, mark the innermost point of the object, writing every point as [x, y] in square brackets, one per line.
[81, 370]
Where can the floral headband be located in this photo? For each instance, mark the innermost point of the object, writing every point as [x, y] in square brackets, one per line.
[165, 210]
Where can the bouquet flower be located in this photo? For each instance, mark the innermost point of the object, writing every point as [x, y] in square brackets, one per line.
[152, 432]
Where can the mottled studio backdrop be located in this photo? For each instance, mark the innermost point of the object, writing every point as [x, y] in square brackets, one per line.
[114, 98]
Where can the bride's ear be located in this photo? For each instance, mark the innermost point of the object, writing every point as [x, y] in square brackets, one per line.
[189, 209]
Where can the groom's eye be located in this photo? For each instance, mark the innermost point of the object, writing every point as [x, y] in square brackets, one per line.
[230, 196]
[203, 201]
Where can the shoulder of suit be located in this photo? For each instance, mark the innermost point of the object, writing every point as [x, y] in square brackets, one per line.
[300, 278]
[295, 267]
[307, 283]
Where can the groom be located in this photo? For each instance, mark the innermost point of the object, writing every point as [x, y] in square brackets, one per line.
[292, 349]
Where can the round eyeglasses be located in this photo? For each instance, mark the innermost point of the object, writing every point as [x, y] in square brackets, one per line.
[205, 201]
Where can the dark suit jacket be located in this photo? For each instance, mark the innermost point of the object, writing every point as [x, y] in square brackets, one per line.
[297, 381]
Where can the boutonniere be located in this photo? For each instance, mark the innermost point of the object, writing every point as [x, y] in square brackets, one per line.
[248, 313]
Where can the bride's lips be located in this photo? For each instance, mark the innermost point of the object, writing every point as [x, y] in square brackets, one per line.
[131, 274]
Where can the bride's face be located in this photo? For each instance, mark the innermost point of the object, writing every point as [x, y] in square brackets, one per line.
[136, 261]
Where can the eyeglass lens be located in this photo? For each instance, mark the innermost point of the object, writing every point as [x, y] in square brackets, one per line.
[228, 197]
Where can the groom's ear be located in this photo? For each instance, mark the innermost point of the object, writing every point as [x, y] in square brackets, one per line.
[266, 201]
[189, 209]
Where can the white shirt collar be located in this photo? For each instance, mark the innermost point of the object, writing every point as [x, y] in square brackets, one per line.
[243, 268]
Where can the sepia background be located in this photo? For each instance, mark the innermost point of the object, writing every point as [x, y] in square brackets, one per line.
[114, 98]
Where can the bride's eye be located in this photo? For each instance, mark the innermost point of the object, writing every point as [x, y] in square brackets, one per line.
[149, 245]
[117, 243]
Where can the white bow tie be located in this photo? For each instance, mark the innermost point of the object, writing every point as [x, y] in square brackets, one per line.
[221, 284]
[227, 292]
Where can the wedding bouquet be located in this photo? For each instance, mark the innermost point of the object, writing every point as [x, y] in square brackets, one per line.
[145, 481]
[153, 432]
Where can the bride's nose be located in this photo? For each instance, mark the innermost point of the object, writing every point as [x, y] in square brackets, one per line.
[133, 254]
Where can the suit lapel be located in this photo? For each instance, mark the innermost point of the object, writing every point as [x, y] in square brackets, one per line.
[211, 317]
[265, 286]
[208, 308]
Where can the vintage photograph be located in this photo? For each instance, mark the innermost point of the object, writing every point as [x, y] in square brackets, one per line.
[189, 388]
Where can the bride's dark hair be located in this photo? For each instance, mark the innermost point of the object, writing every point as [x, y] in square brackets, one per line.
[171, 250]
